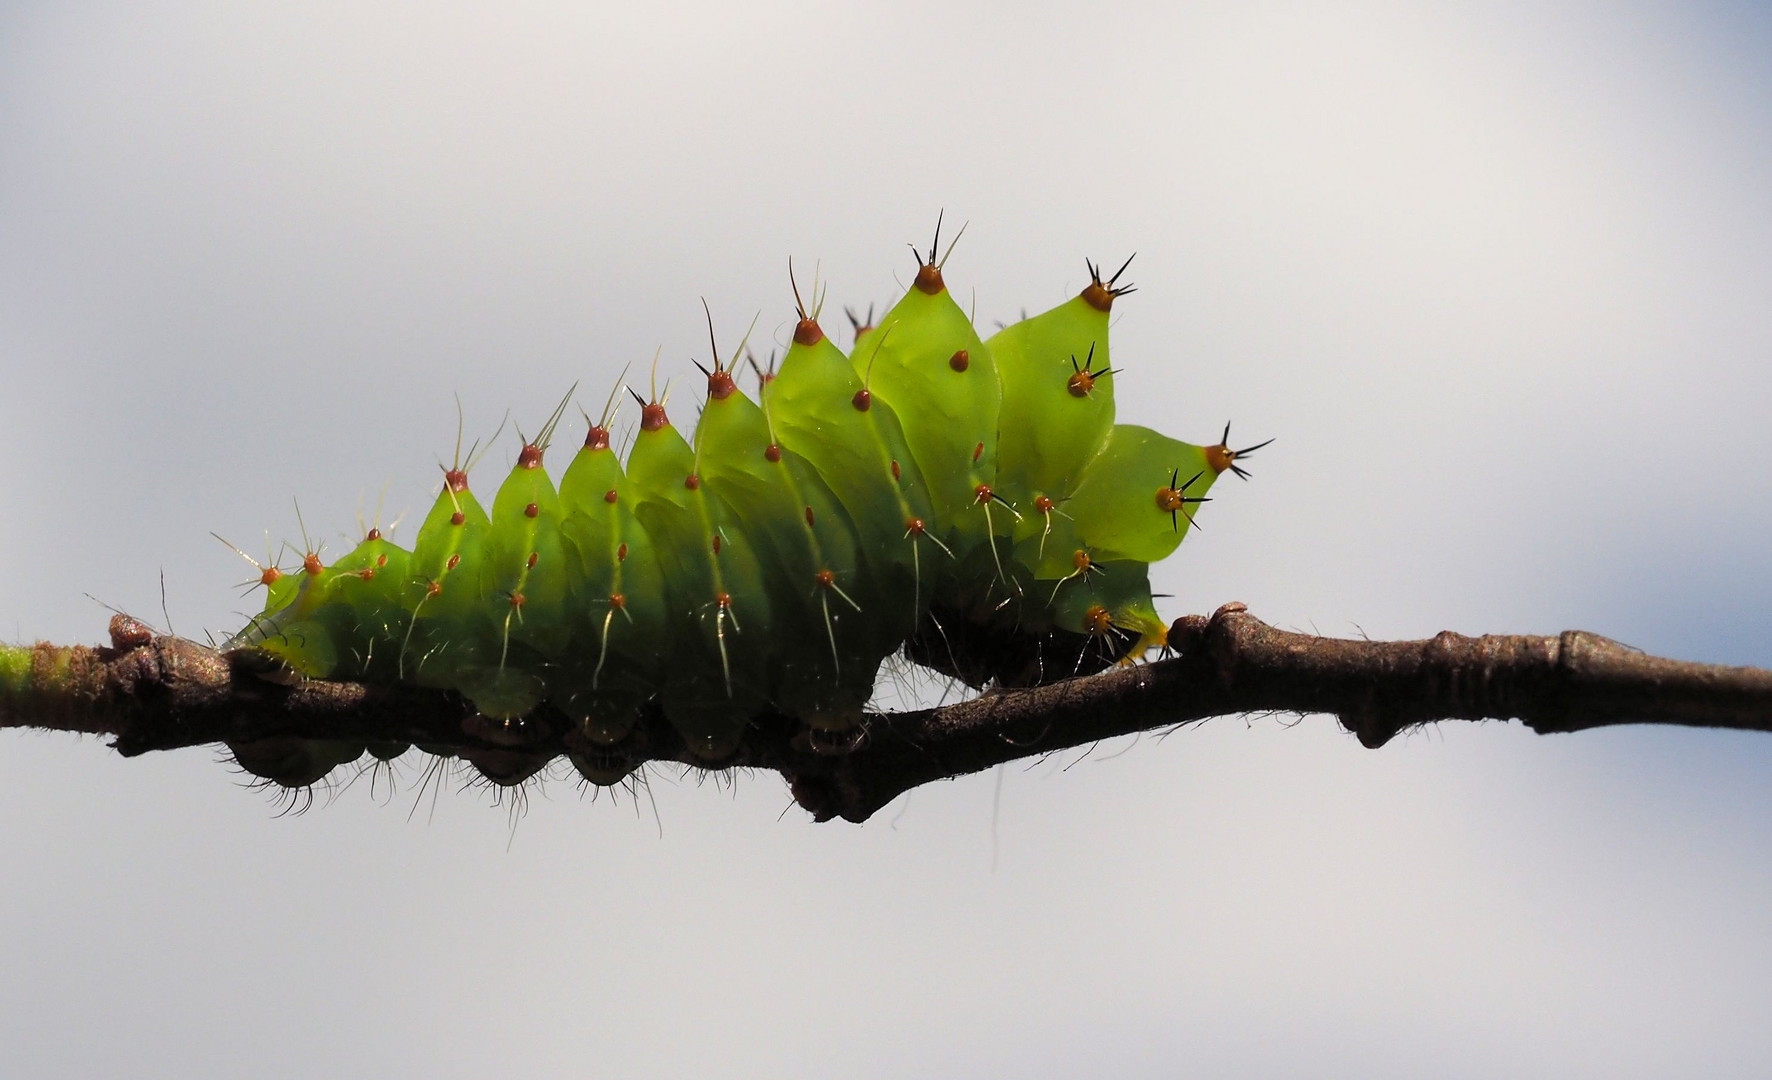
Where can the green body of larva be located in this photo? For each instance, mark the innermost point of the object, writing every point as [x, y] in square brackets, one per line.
[787, 550]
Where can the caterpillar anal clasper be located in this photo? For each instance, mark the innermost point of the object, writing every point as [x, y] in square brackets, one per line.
[969, 501]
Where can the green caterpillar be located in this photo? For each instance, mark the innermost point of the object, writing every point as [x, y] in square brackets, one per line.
[968, 501]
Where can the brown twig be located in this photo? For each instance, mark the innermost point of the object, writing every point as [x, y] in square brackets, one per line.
[161, 693]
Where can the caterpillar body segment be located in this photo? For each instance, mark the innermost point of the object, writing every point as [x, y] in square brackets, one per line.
[820, 588]
[443, 589]
[617, 591]
[1057, 381]
[368, 586]
[823, 410]
[928, 361]
[1137, 500]
[721, 607]
[970, 502]
[521, 610]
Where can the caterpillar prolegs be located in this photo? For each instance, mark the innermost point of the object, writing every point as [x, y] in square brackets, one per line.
[969, 501]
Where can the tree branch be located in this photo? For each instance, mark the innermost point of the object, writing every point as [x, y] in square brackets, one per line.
[159, 693]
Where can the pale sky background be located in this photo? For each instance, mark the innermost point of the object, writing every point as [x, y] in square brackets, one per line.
[1499, 281]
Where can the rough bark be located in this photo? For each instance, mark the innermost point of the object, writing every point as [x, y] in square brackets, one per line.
[160, 693]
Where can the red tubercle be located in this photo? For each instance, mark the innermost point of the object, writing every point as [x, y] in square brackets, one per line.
[1043, 505]
[928, 280]
[597, 438]
[961, 360]
[1098, 296]
[653, 418]
[311, 564]
[452, 562]
[617, 601]
[772, 453]
[610, 496]
[269, 576]
[372, 534]
[692, 482]
[863, 400]
[807, 332]
[532, 510]
[533, 556]
[720, 385]
[982, 493]
[455, 480]
[529, 457]
[458, 518]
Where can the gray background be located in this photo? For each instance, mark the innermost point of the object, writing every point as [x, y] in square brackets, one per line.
[1498, 281]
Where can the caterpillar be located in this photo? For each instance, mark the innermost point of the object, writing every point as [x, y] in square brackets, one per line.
[970, 502]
